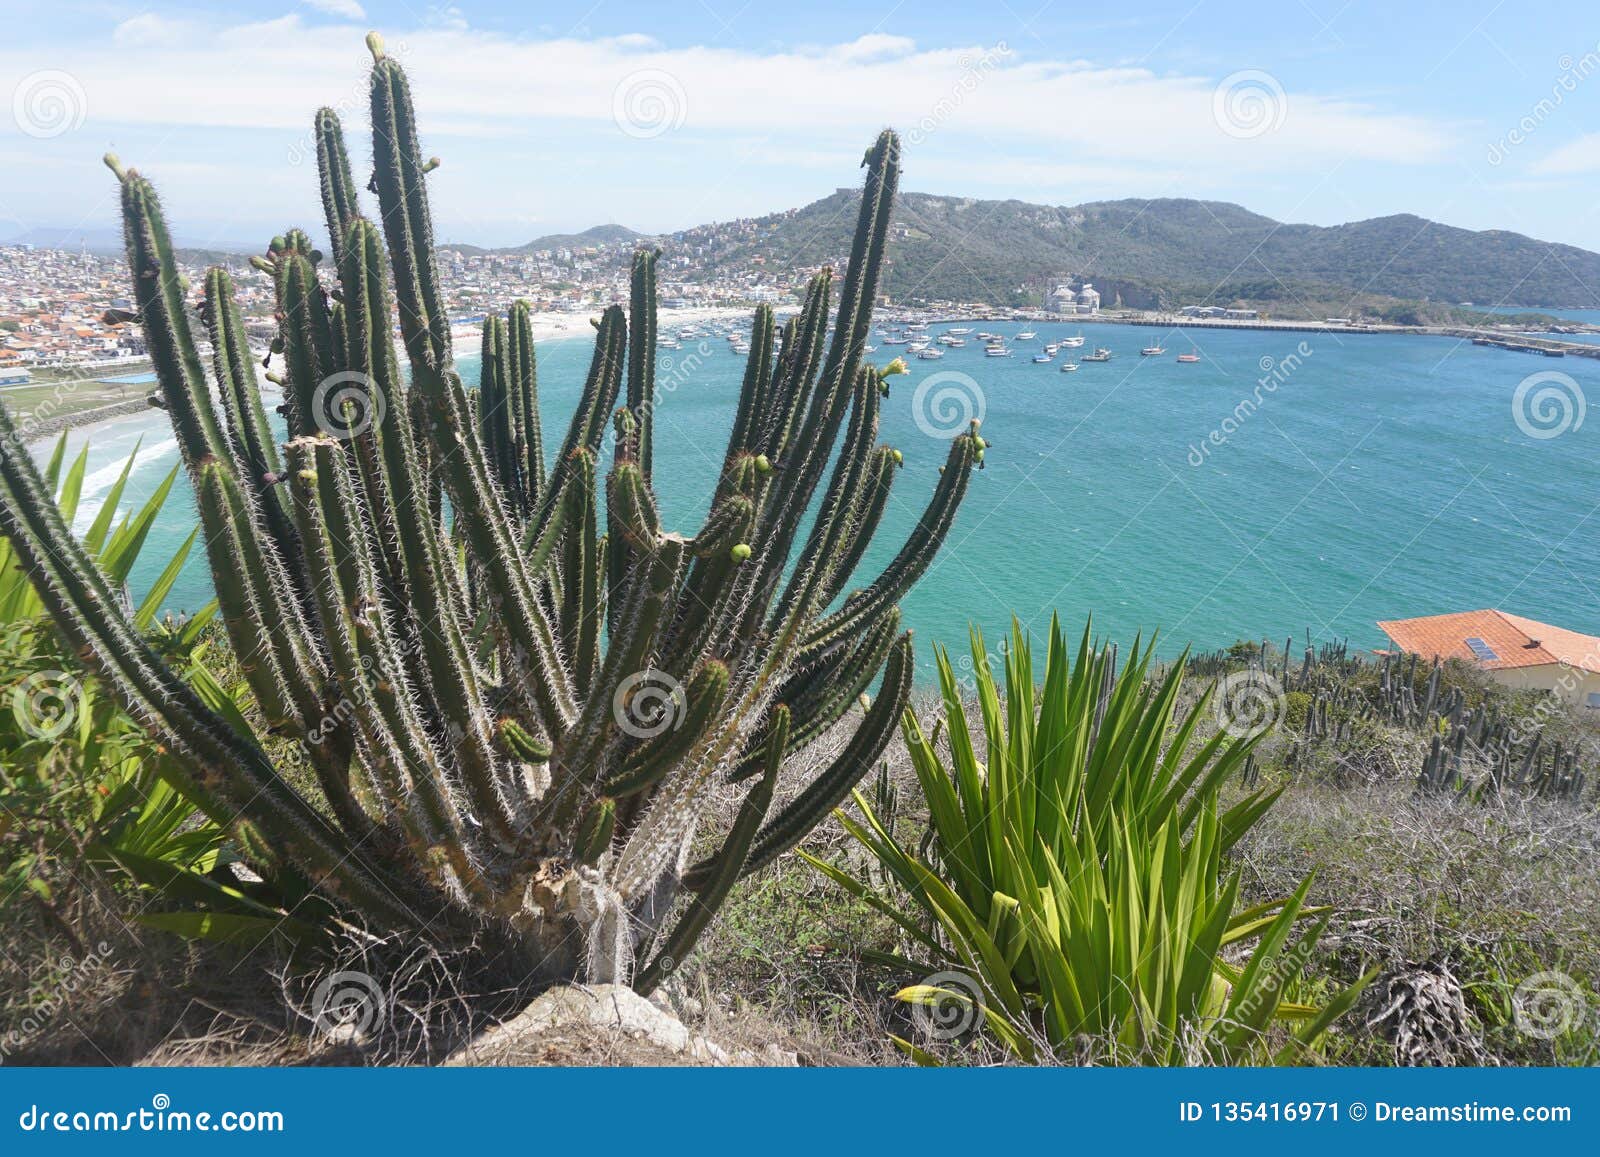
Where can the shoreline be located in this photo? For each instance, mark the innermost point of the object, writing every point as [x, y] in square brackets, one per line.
[546, 327]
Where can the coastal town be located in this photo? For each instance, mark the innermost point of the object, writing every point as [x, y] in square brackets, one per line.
[61, 310]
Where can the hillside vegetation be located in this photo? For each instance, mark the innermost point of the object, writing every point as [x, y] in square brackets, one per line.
[1165, 253]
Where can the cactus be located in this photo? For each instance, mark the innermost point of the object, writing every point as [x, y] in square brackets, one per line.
[517, 692]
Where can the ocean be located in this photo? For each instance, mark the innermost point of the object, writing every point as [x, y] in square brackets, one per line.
[1284, 483]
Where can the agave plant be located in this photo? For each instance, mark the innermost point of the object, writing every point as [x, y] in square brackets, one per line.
[516, 692]
[1074, 883]
[81, 783]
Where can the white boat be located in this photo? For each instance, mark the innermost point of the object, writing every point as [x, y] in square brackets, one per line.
[929, 354]
[960, 331]
[1026, 335]
[916, 347]
[871, 349]
[1069, 367]
[1101, 354]
[895, 340]
[997, 351]
[668, 343]
[688, 334]
[1042, 359]
[1072, 343]
[1152, 351]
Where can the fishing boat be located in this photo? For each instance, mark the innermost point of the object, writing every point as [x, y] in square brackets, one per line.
[1069, 367]
[1026, 335]
[895, 340]
[1101, 354]
[1188, 357]
[997, 351]
[1042, 359]
[929, 354]
[1152, 351]
[960, 331]
[1072, 343]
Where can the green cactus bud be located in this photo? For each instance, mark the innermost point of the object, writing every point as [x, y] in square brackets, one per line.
[375, 46]
[763, 465]
[899, 458]
[115, 166]
[740, 552]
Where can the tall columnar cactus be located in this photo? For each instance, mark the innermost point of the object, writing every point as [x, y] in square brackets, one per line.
[517, 692]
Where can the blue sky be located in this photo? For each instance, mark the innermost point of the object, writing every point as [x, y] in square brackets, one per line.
[552, 117]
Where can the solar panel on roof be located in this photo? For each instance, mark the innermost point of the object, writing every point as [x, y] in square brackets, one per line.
[1481, 650]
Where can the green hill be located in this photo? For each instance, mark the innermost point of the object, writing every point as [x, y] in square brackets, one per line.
[1166, 253]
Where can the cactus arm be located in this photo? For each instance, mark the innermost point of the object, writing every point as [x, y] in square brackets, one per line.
[256, 451]
[399, 176]
[723, 869]
[158, 295]
[525, 375]
[642, 352]
[339, 204]
[305, 327]
[450, 671]
[653, 758]
[819, 696]
[824, 793]
[910, 563]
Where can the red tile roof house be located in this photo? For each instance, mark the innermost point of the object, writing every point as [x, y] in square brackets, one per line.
[1515, 652]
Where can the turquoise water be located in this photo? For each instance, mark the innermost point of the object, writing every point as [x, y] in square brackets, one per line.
[1377, 477]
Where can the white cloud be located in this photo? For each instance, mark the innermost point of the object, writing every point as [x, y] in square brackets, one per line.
[347, 9]
[147, 28]
[478, 83]
[1579, 156]
[875, 46]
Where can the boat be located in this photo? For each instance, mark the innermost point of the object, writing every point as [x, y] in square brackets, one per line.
[997, 351]
[1152, 351]
[668, 343]
[1101, 354]
[960, 331]
[916, 347]
[895, 340]
[870, 349]
[1026, 335]
[1042, 359]
[1072, 343]
[929, 354]
[1069, 367]
[688, 334]
[1188, 357]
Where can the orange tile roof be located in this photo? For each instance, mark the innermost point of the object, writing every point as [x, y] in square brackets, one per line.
[1516, 642]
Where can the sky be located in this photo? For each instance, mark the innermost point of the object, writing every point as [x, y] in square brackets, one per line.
[555, 117]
